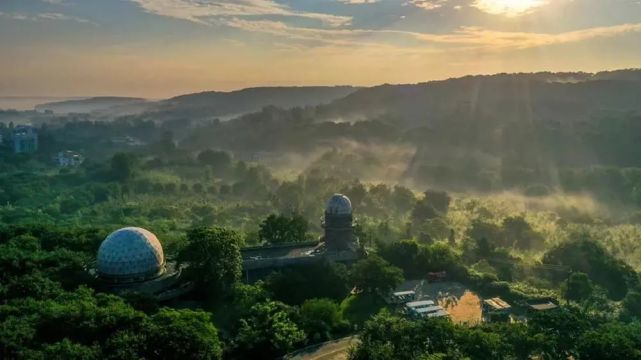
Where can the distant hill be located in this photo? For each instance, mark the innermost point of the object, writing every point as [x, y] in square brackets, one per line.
[504, 97]
[627, 75]
[480, 132]
[94, 104]
[234, 103]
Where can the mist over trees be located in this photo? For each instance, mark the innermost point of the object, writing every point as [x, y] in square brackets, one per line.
[524, 187]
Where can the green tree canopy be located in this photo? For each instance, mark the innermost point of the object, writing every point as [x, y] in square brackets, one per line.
[578, 287]
[124, 166]
[280, 229]
[321, 318]
[375, 274]
[213, 256]
[267, 332]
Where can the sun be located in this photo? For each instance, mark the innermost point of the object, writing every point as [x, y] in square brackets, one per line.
[508, 7]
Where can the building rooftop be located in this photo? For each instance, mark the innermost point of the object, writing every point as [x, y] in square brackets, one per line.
[497, 304]
[285, 251]
[339, 204]
[418, 304]
[440, 313]
[429, 309]
[543, 306]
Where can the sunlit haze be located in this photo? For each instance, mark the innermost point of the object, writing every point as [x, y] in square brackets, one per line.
[159, 48]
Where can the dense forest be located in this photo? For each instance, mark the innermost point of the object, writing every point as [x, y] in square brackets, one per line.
[532, 197]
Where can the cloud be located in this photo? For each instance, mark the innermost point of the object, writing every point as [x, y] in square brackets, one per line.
[206, 11]
[359, 2]
[257, 16]
[427, 4]
[465, 37]
[509, 7]
[44, 17]
[480, 37]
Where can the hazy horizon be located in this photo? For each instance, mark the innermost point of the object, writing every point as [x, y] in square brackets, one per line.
[29, 97]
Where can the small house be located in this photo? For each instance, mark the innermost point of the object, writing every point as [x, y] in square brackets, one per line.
[496, 309]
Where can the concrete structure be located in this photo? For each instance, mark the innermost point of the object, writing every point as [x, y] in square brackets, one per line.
[401, 297]
[338, 223]
[339, 244]
[542, 305]
[496, 309]
[424, 308]
[25, 139]
[69, 159]
[132, 259]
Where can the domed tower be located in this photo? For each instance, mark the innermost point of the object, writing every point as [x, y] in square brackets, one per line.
[338, 223]
[130, 255]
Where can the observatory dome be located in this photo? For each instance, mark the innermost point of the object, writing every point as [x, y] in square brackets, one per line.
[339, 205]
[130, 254]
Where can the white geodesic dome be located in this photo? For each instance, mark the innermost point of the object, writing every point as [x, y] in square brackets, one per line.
[130, 254]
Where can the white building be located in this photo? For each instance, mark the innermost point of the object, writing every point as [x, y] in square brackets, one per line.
[425, 308]
[69, 159]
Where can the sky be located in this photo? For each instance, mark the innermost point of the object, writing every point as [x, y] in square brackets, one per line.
[161, 48]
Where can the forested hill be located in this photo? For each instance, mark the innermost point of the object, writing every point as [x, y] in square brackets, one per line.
[90, 104]
[213, 103]
[504, 97]
[479, 132]
[206, 104]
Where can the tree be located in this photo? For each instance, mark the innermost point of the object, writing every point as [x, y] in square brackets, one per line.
[267, 332]
[587, 256]
[518, 233]
[67, 350]
[356, 192]
[375, 274]
[165, 144]
[182, 334]
[436, 257]
[291, 286]
[485, 230]
[557, 332]
[632, 303]
[219, 160]
[439, 200]
[390, 337]
[403, 198]
[244, 296]
[289, 197]
[321, 318]
[578, 287]
[279, 229]
[614, 341]
[213, 255]
[401, 254]
[423, 211]
[124, 166]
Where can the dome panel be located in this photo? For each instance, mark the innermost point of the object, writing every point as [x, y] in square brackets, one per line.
[130, 253]
[339, 204]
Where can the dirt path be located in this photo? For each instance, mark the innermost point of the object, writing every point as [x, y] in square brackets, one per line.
[335, 350]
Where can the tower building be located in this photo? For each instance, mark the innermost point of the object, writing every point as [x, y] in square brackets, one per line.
[338, 223]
